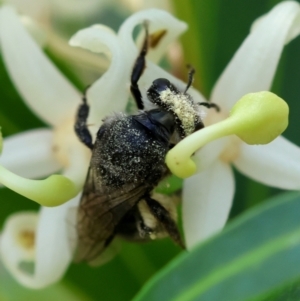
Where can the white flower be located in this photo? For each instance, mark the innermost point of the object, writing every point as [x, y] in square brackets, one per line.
[40, 152]
[208, 195]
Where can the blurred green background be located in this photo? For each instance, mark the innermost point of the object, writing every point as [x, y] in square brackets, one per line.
[216, 30]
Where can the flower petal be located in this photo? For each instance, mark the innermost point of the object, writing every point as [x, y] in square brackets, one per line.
[207, 155]
[207, 199]
[16, 244]
[79, 160]
[47, 92]
[110, 92]
[276, 164]
[55, 243]
[253, 66]
[30, 154]
[158, 19]
[53, 231]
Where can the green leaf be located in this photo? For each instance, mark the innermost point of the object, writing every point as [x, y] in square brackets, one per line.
[10, 290]
[256, 256]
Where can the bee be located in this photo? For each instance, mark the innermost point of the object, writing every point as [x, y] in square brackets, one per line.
[128, 162]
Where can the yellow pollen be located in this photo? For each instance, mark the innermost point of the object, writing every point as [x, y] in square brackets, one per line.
[183, 107]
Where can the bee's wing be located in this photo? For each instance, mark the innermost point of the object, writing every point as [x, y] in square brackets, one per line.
[101, 210]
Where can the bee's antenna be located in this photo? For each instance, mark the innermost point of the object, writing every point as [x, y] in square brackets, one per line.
[191, 77]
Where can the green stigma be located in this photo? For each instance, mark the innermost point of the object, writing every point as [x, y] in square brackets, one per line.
[257, 118]
[50, 192]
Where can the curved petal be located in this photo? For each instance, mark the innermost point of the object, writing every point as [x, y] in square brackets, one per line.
[49, 242]
[79, 160]
[276, 164]
[47, 92]
[207, 199]
[293, 33]
[30, 154]
[158, 19]
[253, 66]
[209, 153]
[110, 92]
[17, 244]
[55, 243]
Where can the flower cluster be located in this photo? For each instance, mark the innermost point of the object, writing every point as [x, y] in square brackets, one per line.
[46, 238]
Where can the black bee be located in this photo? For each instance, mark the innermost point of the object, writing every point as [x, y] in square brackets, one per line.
[128, 162]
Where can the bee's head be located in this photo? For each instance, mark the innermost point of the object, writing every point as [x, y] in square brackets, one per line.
[158, 88]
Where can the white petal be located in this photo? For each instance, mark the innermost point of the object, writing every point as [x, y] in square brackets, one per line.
[13, 249]
[253, 66]
[79, 160]
[209, 153]
[293, 33]
[95, 38]
[35, 30]
[47, 92]
[207, 199]
[110, 92]
[55, 243]
[30, 154]
[276, 164]
[158, 19]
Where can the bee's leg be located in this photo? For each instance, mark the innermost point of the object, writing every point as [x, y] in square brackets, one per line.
[138, 70]
[80, 126]
[163, 216]
[209, 105]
